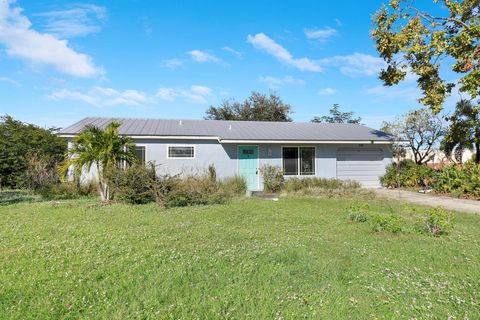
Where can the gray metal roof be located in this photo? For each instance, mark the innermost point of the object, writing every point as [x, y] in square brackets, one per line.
[235, 130]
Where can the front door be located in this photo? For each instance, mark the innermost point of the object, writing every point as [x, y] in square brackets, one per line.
[248, 165]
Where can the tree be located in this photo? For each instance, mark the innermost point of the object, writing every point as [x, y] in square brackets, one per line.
[257, 107]
[104, 150]
[336, 116]
[411, 39]
[464, 130]
[421, 129]
[18, 142]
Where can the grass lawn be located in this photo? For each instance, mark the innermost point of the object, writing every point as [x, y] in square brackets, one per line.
[250, 259]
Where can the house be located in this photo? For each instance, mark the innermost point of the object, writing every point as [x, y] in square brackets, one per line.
[327, 150]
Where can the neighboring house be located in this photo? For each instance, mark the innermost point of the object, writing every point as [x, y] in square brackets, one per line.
[327, 150]
[439, 159]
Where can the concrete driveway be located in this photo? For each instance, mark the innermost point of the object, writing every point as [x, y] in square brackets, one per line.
[471, 206]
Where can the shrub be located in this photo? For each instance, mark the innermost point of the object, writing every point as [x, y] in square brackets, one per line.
[460, 180]
[235, 185]
[437, 222]
[272, 178]
[67, 190]
[41, 171]
[295, 184]
[408, 174]
[133, 184]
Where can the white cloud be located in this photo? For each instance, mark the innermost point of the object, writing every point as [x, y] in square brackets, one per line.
[202, 56]
[167, 94]
[23, 42]
[327, 91]
[103, 97]
[320, 34]
[109, 97]
[11, 81]
[357, 64]
[235, 52]
[262, 42]
[274, 82]
[201, 90]
[78, 20]
[173, 63]
[407, 93]
[195, 94]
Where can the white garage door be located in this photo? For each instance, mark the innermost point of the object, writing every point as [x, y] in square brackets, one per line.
[363, 165]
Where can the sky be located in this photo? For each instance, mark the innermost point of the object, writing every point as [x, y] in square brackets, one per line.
[61, 61]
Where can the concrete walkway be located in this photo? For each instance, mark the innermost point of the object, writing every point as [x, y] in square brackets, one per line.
[471, 206]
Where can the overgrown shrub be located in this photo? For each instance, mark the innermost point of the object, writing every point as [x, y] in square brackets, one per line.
[133, 184]
[235, 185]
[273, 179]
[437, 222]
[41, 171]
[140, 184]
[295, 184]
[408, 174]
[459, 180]
[67, 190]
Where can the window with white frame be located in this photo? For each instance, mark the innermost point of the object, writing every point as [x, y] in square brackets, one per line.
[181, 152]
[141, 154]
[298, 161]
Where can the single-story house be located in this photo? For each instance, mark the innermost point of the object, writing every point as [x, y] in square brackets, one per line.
[327, 150]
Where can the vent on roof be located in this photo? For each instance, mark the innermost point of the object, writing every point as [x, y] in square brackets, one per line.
[180, 122]
[230, 127]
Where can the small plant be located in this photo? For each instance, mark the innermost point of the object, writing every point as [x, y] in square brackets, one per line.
[359, 212]
[212, 172]
[390, 223]
[437, 222]
[272, 178]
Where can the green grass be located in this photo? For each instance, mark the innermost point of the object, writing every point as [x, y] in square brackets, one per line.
[250, 259]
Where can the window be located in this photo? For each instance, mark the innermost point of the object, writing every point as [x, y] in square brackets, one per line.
[140, 153]
[181, 152]
[298, 161]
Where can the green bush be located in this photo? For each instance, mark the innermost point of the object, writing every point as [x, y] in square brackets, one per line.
[133, 184]
[437, 222]
[459, 180]
[272, 178]
[295, 184]
[408, 174]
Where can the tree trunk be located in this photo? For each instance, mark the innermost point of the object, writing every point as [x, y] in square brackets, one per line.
[477, 152]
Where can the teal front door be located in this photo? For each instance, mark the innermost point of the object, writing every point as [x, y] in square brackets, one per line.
[248, 165]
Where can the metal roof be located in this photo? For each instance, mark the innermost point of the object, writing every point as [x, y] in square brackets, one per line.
[234, 130]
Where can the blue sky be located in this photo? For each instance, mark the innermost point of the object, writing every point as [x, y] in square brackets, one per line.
[61, 61]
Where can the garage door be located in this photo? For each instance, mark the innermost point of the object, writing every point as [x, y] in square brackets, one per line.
[363, 165]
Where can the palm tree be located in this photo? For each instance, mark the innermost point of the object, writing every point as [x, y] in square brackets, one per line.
[103, 150]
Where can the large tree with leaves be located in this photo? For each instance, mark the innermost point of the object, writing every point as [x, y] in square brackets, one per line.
[464, 130]
[103, 150]
[337, 116]
[422, 131]
[19, 142]
[410, 39]
[257, 107]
